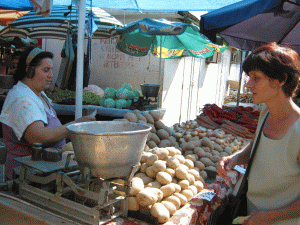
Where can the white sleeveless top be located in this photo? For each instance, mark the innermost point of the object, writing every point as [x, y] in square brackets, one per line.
[274, 179]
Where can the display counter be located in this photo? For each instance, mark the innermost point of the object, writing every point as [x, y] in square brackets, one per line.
[102, 111]
[196, 212]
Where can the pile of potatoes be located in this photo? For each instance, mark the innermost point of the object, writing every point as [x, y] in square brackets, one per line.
[165, 181]
[160, 135]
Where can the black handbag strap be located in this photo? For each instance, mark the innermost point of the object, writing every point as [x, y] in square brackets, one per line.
[244, 182]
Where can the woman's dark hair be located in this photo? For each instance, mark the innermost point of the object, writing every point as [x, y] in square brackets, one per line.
[21, 73]
[276, 62]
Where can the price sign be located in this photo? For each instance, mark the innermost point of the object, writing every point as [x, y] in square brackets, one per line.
[207, 195]
[240, 169]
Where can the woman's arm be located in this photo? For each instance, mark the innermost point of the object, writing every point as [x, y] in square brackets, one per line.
[38, 132]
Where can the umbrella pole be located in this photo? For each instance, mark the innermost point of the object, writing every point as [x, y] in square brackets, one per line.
[80, 55]
[160, 52]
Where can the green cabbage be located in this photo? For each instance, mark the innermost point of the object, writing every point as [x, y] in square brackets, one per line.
[127, 86]
[136, 93]
[109, 92]
[109, 103]
[122, 93]
[128, 102]
[121, 103]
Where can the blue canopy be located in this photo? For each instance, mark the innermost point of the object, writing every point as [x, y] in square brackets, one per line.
[146, 5]
[220, 19]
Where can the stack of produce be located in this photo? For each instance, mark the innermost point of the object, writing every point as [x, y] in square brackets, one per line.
[244, 97]
[67, 97]
[235, 120]
[121, 98]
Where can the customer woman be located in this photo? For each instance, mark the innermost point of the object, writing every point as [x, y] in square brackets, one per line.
[27, 115]
[274, 180]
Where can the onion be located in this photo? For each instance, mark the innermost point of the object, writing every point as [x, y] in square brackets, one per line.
[187, 137]
[212, 138]
[220, 141]
[194, 133]
[202, 135]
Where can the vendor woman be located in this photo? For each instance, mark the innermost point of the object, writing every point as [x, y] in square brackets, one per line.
[27, 115]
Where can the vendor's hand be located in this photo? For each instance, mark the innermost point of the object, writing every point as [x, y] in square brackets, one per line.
[261, 217]
[226, 164]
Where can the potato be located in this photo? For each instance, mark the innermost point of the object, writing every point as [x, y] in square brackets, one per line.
[170, 171]
[151, 144]
[159, 124]
[216, 159]
[169, 130]
[147, 180]
[140, 175]
[153, 129]
[172, 151]
[188, 194]
[184, 184]
[191, 179]
[208, 155]
[144, 157]
[208, 143]
[186, 153]
[163, 178]
[154, 138]
[206, 161]
[154, 184]
[203, 174]
[199, 185]
[195, 173]
[162, 153]
[211, 168]
[151, 159]
[174, 180]
[180, 158]
[146, 197]
[141, 117]
[162, 134]
[182, 198]
[173, 162]
[150, 172]
[159, 166]
[199, 165]
[131, 117]
[133, 205]
[217, 147]
[168, 189]
[192, 157]
[175, 200]
[156, 191]
[170, 207]
[193, 189]
[181, 173]
[143, 167]
[177, 187]
[190, 145]
[159, 211]
[164, 143]
[189, 163]
[137, 185]
[148, 117]
[172, 140]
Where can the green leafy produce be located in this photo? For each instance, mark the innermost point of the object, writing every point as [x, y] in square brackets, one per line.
[130, 95]
[128, 102]
[136, 93]
[109, 103]
[101, 101]
[110, 92]
[128, 86]
[122, 93]
[121, 103]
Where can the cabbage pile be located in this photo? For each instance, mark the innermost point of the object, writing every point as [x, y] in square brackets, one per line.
[120, 98]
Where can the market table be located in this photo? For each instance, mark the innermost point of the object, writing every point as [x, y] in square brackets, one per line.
[196, 212]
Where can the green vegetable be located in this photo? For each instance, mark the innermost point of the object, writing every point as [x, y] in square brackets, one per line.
[136, 93]
[109, 103]
[121, 103]
[127, 86]
[110, 92]
[122, 93]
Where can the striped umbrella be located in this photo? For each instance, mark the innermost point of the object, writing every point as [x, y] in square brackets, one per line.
[56, 25]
